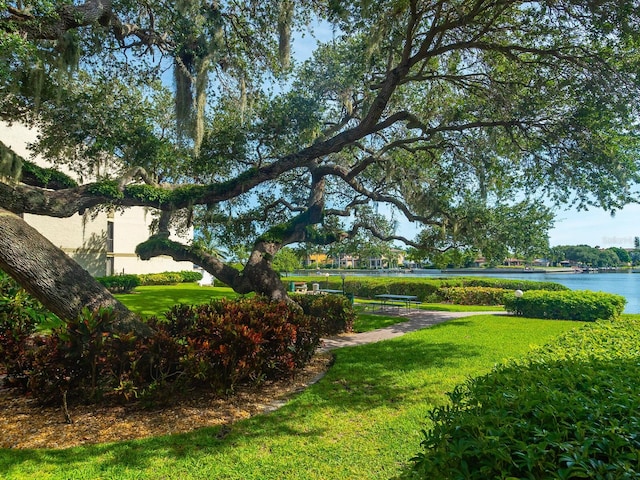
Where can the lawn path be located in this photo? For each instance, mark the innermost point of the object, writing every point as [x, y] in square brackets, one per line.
[416, 320]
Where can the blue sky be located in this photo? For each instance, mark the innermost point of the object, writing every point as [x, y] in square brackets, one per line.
[593, 228]
[597, 228]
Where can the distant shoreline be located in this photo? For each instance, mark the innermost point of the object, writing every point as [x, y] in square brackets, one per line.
[507, 271]
[552, 270]
[457, 271]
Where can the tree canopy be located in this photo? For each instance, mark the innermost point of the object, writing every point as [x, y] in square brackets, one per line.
[468, 118]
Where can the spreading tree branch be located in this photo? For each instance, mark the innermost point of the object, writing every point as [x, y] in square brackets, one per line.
[69, 17]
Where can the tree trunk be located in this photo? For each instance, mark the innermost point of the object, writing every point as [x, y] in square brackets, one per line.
[48, 274]
[259, 272]
[257, 276]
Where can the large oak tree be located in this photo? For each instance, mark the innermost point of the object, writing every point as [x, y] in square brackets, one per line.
[469, 118]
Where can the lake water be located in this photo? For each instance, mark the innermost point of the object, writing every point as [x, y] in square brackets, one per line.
[625, 284]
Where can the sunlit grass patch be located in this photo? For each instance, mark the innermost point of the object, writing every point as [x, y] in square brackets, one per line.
[157, 299]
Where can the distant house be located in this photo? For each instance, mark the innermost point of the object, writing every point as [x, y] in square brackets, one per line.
[514, 262]
[344, 261]
[102, 242]
[480, 262]
[316, 260]
[541, 262]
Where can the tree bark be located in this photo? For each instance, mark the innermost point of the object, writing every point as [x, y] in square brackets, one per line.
[58, 282]
[260, 274]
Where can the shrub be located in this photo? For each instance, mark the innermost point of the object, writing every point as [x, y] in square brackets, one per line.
[189, 276]
[20, 316]
[218, 346]
[234, 341]
[71, 359]
[567, 411]
[165, 278]
[16, 305]
[333, 313]
[473, 295]
[573, 305]
[119, 283]
[512, 284]
[169, 278]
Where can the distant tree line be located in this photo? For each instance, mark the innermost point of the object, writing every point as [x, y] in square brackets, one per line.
[593, 256]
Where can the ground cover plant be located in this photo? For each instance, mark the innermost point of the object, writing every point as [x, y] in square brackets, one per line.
[362, 420]
[568, 410]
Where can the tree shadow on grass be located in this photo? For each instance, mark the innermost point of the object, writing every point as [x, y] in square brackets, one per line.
[390, 371]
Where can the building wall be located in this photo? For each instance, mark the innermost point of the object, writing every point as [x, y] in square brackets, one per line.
[84, 237]
[131, 228]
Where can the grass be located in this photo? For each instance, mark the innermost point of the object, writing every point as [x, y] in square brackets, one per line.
[362, 420]
[373, 321]
[448, 307]
[367, 321]
[156, 300]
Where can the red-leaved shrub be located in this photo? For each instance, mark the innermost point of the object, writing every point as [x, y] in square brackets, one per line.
[217, 346]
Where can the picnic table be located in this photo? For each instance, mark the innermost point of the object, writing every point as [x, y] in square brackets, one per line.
[299, 287]
[330, 290]
[392, 300]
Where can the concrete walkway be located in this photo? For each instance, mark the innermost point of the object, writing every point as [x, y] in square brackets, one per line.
[417, 320]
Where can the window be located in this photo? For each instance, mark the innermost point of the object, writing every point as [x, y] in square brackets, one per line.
[110, 237]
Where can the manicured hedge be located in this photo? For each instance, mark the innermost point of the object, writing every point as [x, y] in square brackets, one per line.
[473, 295]
[426, 289]
[573, 305]
[126, 283]
[119, 283]
[166, 278]
[568, 411]
[169, 278]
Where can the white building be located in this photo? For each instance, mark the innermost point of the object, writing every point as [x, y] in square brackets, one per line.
[103, 243]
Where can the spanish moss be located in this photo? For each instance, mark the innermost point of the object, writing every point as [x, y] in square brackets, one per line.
[285, 18]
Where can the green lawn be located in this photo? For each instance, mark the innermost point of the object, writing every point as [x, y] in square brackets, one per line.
[156, 300]
[361, 421]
